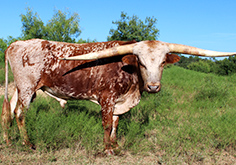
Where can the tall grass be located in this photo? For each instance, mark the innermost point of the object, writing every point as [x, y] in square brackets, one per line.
[192, 116]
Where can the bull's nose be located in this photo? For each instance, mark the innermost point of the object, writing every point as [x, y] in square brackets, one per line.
[153, 88]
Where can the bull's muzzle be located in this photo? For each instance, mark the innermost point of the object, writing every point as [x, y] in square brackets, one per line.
[153, 88]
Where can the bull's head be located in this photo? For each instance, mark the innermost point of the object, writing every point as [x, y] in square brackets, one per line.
[152, 55]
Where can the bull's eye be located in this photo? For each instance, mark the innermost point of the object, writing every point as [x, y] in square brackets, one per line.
[141, 64]
[163, 63]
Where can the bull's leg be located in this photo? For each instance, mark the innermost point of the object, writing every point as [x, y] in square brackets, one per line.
[13, 103]
[8, 115]
[6, 120]
[61, 101]
[107, 126]
[107, 113]
[20, 112]
[113, 133]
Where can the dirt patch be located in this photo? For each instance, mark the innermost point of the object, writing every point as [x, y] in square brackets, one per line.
[78, 155]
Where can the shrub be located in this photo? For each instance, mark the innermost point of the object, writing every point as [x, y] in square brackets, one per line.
[200, 66]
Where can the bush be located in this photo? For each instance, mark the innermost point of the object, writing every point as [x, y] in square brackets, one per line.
[200, 66]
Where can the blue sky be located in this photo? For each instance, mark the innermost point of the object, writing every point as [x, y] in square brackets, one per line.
[207, 24]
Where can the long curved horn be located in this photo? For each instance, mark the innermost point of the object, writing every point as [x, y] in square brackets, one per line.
[178, 48]
[115, 51]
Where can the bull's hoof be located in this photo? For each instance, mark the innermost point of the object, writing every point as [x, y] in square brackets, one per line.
[30, 145]
[117, 150]
[33, 147]
[6, 139]
[109, 152]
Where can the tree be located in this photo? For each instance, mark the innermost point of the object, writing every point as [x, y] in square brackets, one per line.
[200, 66]
[226, 66]
[133, 28]
[3, 46]
[32, 25]
[81, 41]
[185, 61]
[62, 27]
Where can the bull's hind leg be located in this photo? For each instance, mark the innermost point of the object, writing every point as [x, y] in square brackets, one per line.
[13, 103]
[8, 115]
[6, 120]
[20, 112]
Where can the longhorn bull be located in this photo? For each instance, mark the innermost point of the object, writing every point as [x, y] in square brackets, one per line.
[113, 75]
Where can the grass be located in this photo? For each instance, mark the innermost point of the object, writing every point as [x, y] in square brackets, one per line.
[192, 120]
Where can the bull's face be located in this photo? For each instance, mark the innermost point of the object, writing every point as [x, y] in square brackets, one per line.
[153, 56]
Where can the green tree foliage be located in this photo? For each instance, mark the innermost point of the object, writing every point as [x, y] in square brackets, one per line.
[226, 66]
[32, 25]
[185, 61]
[62, 27]
[133, 28]
[3, 47]
[81, 41]
[4, 43]
[200, 66]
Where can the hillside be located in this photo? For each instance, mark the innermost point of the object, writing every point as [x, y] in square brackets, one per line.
[192, 120]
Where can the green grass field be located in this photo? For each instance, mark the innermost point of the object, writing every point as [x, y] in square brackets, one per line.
[192, 120]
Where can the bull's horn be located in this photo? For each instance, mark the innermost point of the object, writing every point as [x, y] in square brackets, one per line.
[119, 50]
[177, 48]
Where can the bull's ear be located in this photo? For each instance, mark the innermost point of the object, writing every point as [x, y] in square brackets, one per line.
[172, 58]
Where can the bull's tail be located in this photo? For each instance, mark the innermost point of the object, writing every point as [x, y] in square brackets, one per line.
[6, 76]
[6, 112]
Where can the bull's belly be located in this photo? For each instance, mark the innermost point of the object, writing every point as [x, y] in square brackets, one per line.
[122, 104]
[67, 95]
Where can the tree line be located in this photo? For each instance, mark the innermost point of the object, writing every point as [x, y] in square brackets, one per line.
[223, 67]
[64, 27]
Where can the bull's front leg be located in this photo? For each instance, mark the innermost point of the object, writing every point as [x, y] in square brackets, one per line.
[107, 121]
[107, 126]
